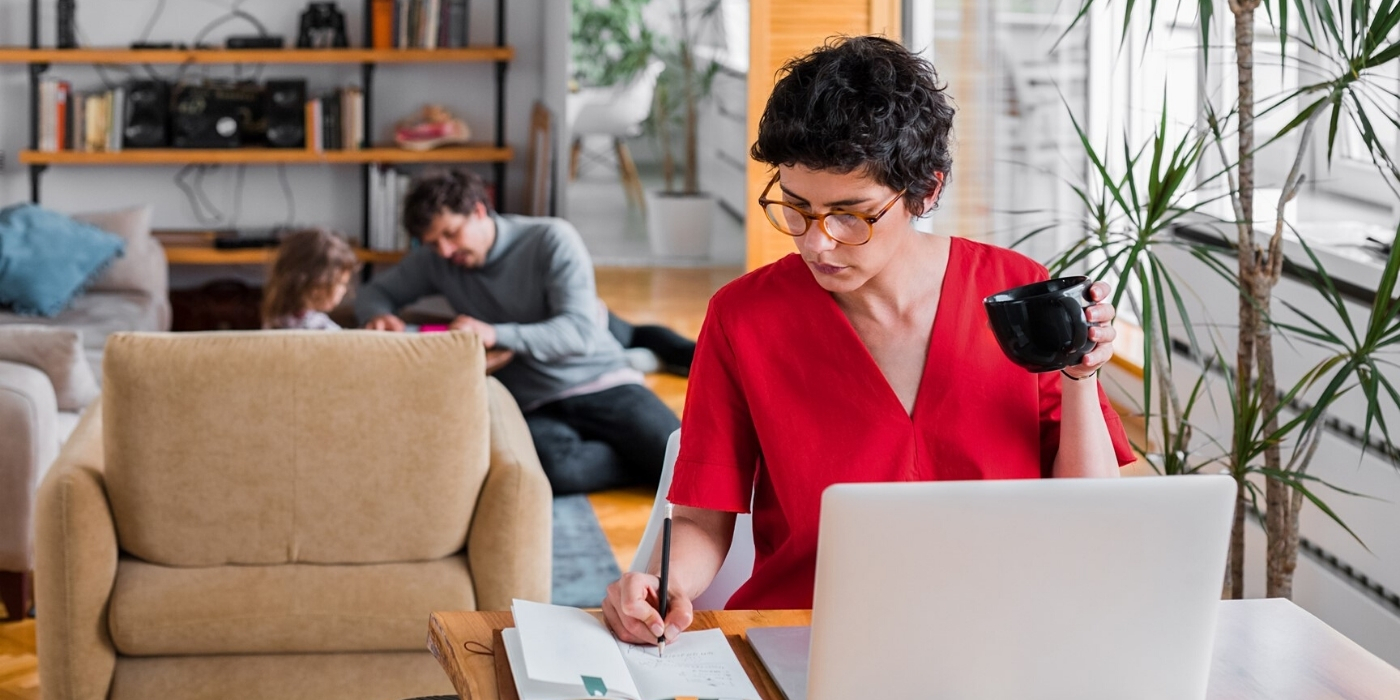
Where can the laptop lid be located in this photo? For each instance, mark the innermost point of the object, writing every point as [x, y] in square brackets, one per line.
[1055, 588]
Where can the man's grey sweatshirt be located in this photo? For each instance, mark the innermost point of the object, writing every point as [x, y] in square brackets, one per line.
[536, 288]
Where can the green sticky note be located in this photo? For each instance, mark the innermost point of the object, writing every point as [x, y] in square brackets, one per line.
[594, 686]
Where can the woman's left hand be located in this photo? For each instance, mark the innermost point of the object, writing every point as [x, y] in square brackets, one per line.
[1101, 331]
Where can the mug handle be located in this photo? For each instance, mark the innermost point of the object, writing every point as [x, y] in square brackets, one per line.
[1074, 310]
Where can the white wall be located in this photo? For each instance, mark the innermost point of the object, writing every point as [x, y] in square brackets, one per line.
[324, 195]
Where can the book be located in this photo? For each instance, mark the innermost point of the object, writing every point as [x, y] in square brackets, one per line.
[77, 108]
[444, 25]
[431, 14]
[333, 137]
[352, 111]
[458, 18]
[314, 141]
[115, 109]
[382, 23]
[46, 114]
[94, 133]
[68, 113]
[562, 653]
[401, 10]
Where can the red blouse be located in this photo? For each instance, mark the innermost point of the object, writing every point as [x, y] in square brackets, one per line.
[785, 400]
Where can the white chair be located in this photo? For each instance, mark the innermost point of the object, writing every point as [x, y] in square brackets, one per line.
[738, 563]
[616, 111]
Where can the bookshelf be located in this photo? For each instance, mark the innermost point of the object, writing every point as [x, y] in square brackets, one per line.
[269, 156]
[496, 152]
[120, 56]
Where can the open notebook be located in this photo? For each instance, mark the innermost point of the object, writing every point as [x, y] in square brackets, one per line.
[562, 653]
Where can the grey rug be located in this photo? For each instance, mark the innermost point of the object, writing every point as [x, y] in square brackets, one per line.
[583, 561]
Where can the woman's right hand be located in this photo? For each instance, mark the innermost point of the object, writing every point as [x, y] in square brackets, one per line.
[630, 610]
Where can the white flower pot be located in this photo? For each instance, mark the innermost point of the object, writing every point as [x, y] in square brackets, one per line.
[678, 226]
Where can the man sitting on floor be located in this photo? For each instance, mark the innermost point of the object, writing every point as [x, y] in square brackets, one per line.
[526, 284]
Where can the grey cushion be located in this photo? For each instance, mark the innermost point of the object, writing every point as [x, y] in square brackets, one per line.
[143, 267]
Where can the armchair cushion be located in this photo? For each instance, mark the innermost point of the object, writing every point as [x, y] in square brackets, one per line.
[58, 352]
[159, 611]
[47, 258]
[254, 448]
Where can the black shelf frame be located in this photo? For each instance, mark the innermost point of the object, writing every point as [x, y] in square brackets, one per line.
[37, 69]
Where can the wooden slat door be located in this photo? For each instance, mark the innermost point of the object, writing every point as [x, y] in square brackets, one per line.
[781, 30]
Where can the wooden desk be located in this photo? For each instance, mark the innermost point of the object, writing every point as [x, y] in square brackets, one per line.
[1264, 649]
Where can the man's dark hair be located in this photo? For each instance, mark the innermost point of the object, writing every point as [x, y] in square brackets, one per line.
[861, 103]
[456, 191]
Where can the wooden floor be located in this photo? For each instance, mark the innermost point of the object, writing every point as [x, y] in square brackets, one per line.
[19, 669]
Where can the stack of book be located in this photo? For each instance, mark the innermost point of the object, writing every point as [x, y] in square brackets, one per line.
[83, 122]
[70, 121]
[387, 189]
[335, 121]
[420, 24]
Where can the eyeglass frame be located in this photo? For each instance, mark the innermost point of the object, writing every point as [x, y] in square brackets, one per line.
[869, 219]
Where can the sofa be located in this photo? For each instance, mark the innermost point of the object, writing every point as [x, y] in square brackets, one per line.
[275, 514]
[130, 295]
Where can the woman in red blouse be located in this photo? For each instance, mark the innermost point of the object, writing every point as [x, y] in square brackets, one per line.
[867, 356]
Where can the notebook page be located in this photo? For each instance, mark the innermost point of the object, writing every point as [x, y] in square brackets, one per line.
[530, 689]
[568, 646]
[698, 664]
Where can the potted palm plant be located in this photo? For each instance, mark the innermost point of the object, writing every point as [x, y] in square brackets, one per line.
[680, 216]
[1135, 208]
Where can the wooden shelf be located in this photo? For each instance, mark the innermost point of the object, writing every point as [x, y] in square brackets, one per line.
[197, 248]
[269, 156]
[117, 55]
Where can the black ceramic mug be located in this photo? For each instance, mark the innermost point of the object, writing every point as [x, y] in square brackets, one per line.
[1042, 326]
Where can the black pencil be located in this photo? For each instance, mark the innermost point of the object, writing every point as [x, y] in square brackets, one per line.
[665, 575]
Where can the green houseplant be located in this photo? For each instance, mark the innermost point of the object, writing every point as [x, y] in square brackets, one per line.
[610, 42]
[1135, 206]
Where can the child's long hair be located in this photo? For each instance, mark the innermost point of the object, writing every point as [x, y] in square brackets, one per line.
[309, 262]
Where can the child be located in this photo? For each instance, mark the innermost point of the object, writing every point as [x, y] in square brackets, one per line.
[309, 277]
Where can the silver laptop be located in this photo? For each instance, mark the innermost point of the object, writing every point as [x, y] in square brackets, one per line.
[1082, 589]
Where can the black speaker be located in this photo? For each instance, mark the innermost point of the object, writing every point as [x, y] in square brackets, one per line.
[285, 111]
[216, 115]
[147, 119]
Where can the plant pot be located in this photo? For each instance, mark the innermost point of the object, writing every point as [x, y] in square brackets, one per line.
[678, 226]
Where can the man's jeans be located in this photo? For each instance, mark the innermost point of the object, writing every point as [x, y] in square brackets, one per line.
[609, 439]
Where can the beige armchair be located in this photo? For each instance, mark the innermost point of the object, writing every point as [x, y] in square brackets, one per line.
[275, 514]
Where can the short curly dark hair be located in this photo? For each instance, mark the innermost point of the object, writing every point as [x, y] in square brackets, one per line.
[861, 103]
[456, 191]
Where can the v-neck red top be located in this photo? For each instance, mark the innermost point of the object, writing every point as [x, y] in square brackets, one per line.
[784, 400]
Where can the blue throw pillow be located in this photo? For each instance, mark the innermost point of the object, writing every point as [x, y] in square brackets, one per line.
[47, 258]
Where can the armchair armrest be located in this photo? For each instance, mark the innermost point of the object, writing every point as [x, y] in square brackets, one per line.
[76, 566]
[28, 444]
[510, 543]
